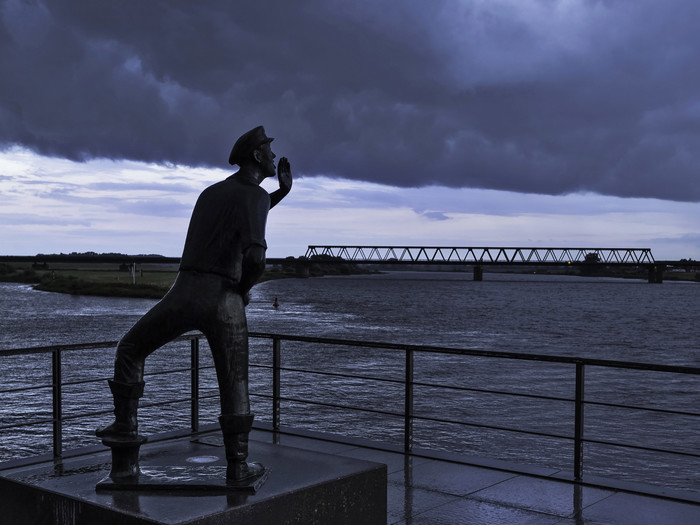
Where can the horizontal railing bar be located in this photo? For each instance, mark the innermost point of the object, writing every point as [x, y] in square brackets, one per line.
[214, 389]
[103, 379]
[141, 406]
[428, 385]
[448, 421]
[28, 424]
[492, 427]
[103, 412]
[166, 372]
[56, 348]
[423, 418]
[399, 381]
[640, 447]
[78, 346]
[210, 396]
[83, 382]
[480, 390]
[212, 367]
[345, 407]
[86, 414]
[475, 425]
[339, 374]
[70, 416]
[564, 399]
[436, 420]
[486, 353]
[399, 346]
[166, 402]
[644, 409]
[25, 389]
[496, 392]
[348, 407]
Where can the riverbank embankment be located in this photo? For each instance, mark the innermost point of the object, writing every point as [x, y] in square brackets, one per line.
[146, 280]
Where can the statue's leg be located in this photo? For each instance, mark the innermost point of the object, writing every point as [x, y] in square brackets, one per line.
[236, 429]
[228, 340]
[160, 325]
[126, 401]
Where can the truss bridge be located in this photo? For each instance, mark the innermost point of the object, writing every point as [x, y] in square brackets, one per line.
[484, 256]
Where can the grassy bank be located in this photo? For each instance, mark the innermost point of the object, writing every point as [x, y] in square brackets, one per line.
[150, 281]
[92, 279]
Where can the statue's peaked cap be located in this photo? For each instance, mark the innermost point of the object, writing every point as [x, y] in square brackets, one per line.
[246, 143]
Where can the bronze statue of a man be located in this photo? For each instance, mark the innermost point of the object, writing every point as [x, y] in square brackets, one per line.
[224, 256]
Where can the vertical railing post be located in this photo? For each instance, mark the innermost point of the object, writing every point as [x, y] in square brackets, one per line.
[194, 383]
[578, 423]
[56, 383]
[276, 390]
[408, 405]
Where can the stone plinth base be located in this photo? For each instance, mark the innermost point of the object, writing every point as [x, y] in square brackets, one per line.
[303, 487]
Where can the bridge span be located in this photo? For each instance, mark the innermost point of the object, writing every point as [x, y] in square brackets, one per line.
[484, 256]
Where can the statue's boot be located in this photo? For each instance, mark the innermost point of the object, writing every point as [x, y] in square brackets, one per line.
[126, 403]
[236, 428]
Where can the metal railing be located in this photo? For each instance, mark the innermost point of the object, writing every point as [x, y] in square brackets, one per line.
[406, 380]
[57, 385]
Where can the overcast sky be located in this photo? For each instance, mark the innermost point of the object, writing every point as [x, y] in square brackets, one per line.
[472, 122]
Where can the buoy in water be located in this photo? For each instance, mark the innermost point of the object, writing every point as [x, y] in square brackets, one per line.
[276, 304]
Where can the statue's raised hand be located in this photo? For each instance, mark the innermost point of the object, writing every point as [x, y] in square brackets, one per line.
[284, 174]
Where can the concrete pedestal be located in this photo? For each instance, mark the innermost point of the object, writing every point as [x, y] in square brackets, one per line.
[303, 487]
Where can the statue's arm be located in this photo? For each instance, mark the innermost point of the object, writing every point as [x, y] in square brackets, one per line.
[253, 266]
[284, 174]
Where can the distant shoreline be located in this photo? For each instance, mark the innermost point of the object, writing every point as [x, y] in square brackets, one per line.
[146, 281]
[108, 275]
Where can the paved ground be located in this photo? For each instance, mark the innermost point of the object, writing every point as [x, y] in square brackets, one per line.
[420, 491]
[432, 492]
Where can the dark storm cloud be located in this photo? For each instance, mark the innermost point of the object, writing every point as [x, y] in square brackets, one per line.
[540, 96]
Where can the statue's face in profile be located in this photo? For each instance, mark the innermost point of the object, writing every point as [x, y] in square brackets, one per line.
[266, 160]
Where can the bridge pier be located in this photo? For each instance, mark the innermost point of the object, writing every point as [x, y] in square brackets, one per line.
[656, 274]
[478, 273]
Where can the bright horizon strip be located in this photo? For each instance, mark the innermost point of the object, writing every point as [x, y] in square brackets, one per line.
[53, 205]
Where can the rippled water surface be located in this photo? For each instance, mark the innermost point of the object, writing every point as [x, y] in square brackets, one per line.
[554, 315]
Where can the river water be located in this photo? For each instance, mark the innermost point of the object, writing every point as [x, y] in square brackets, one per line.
[602, 318]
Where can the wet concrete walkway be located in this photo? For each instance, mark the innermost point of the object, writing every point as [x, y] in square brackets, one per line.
[433, 492]
[429, 491]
